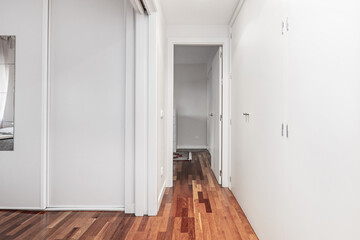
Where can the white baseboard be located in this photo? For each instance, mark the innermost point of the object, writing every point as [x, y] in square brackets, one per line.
[161, 194]
[192, 147]
[86, 208]
[22, 208]
[130, 209]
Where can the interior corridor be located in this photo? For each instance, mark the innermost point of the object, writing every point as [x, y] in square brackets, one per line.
[199, 208]
[195, 208]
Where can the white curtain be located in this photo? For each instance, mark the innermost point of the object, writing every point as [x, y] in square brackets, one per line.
[4, 74]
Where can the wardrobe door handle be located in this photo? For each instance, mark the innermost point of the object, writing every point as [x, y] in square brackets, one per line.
[287, 131]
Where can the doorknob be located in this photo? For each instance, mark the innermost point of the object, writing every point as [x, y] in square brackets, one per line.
[211, 115]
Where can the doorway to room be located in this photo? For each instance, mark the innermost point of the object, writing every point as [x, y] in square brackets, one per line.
[198, 103]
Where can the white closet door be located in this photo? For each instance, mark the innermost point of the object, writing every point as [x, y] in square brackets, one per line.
[258, 90]
[324, 120]
[87, 75]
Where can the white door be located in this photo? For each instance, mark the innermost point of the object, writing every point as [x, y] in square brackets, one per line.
[323, 164]
[216, 118]
[86, 166]
[210, 119]
[258, 90]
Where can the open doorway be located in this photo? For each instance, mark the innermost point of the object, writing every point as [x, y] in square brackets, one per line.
[198, 103]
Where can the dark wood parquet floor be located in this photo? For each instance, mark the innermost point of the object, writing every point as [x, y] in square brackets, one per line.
[196, 208]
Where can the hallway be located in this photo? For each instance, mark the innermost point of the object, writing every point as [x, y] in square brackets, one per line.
[196, 208]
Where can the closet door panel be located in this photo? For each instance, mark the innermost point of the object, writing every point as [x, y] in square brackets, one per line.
[323, 164]
[87, 62]
[257, 115]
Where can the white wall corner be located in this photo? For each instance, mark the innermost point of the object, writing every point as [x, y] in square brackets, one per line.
[236, 12]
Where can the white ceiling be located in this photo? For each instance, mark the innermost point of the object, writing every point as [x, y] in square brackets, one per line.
[198, 12]
[194, 54]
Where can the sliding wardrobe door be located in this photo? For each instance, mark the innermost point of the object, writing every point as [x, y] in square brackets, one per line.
[87, 74]
[324, 120]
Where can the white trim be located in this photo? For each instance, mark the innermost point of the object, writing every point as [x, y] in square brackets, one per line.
[152, 118]
[236, 12]
[129, 173]
[86, 208]
[162, 192]
[137, 6]
[141, 114]
[45, 107]
[226, 116]
[146, 112]
[221, 110]
[170, 117]
[225, 152]
[22, 208]
[192, 147]
[151, 6]
[230, 115]
[67, 208]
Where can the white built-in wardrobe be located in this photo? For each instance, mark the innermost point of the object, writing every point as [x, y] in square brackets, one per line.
[87, 75]
[296, 118]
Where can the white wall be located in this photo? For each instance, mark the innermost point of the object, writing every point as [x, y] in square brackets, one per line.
[198, 31]
[161, 100]
[20, 170]
[190, 103]
[306, 186]
[193, 54]
[87, 103]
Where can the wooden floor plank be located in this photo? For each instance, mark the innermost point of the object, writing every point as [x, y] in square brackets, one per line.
[197, 207]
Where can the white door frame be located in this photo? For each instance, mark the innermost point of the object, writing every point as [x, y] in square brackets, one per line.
[224, 42]
[45, 106]
[145, 167]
